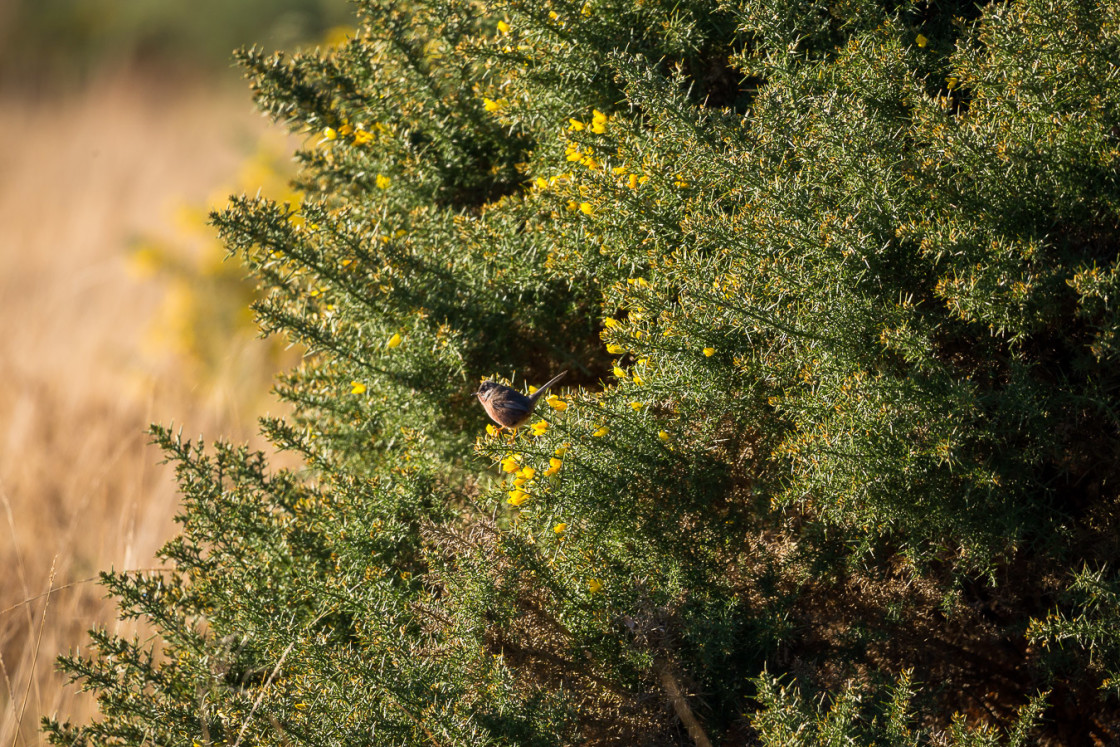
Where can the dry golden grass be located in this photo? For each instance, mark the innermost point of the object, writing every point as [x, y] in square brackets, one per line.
[80, 489]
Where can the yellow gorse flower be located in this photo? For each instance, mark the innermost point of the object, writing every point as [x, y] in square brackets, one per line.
[330, 133]
[598, 122]
[574, 125]
[615, 349]
[511, 463]
[619, 372]
[559, 528]
[594, 585]
[527, 473]
[601, 431]
[921, 41]
[357, 387]
[539, 427]
[382, 181]
[554, 466]
[361, 137]
[517, 497]
[556, 403]
[394, 341]
[503, 27]
[709, 352]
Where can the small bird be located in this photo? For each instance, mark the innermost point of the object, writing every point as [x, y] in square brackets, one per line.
[507, 407]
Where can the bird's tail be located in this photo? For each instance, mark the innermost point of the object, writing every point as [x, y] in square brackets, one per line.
[540, 391]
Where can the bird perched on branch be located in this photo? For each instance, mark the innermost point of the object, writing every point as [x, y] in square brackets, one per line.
[508, 407]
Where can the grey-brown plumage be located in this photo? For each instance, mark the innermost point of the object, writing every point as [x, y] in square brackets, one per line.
[507, 407]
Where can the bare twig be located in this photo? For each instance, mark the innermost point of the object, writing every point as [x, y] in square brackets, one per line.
[680, 703]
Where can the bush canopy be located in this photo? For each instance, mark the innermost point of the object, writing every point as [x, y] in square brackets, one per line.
[836, 459]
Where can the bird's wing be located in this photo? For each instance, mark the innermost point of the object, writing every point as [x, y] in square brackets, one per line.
[512, 401]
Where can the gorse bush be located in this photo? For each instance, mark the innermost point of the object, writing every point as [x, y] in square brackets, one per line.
[835, 460]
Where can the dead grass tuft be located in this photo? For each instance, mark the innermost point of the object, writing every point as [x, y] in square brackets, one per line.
[80, 489]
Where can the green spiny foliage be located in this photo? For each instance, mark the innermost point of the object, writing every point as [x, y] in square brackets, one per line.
[834, 286]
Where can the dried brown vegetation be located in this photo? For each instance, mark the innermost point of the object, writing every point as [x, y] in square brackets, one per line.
[80, 489]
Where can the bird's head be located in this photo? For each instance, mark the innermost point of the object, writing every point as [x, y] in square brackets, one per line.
[486, 389]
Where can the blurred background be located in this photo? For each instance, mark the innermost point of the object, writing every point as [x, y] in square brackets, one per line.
[122, 123]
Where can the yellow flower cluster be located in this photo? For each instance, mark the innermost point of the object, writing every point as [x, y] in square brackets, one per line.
[574, 153]
[598, 122]
[554, 465]
[521, 487]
